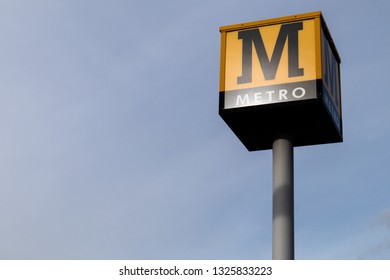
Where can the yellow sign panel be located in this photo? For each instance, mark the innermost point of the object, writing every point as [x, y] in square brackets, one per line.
[280, 51]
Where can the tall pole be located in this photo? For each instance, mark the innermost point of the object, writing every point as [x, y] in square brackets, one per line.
[283, 199]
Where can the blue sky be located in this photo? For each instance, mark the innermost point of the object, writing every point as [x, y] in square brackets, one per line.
[112, 147]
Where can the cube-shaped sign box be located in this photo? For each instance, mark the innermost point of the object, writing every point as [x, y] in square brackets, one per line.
[281, 78]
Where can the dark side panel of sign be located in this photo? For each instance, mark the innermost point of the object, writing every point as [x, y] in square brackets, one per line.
[331, 82]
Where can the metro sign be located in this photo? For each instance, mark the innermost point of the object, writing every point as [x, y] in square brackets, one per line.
[281, 77]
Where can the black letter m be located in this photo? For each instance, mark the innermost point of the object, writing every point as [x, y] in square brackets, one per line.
[268, 66]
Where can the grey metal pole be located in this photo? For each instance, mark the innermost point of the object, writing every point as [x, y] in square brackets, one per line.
[283, 200]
